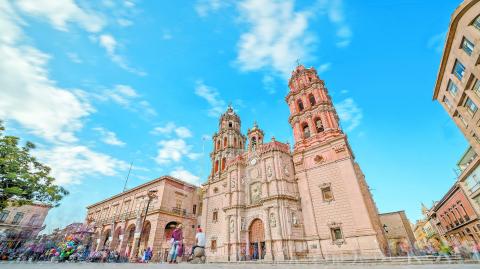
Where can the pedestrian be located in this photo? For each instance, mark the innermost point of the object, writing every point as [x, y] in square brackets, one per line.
[177, 249]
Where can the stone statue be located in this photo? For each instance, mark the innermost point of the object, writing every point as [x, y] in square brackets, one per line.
[232, 225]
[294, 219]
[273, 221]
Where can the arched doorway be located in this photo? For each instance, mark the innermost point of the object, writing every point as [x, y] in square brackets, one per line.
[116, 239]
[145, 236]
[167, 235]
[128, 240]
[256, 238]
[106, 236]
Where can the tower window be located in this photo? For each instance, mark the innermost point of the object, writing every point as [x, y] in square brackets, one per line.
[218, 144]
[223, 163]
[300, 105]
[311, 98]
[337, 234]
[254, 142]
[230, 124]
[216, 166]
[306, 131]
[318, 125]
[215, 216]
[225, 142]
[235, 142]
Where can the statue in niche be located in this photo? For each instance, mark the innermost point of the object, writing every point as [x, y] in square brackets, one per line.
[243, 224]
[255, 192]
[233, 183]
[294, 218]
[269, 171]
[286, 171]
[232, 225]
[273, 221]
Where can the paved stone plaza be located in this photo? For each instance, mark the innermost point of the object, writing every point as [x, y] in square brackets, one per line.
[228, 266]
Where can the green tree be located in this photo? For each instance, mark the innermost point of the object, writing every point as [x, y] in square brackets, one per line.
[23, 179]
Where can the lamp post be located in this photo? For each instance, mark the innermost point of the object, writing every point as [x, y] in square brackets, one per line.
[389, 252]
[151, 194]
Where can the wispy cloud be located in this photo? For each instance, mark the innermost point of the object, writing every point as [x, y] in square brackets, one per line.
[173, 150]
[349, 113]
[437, 42]
[205, 7]
[109, 137]
[128, 98]
[110, 44]
[336, 15]
[170, 128]
[211, 95]
[324, 68]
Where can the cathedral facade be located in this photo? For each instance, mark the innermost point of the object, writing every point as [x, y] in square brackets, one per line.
[264, 200]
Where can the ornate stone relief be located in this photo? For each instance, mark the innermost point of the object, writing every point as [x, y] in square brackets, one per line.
[243, 224]
[319, 159]
[269, 171]
[255, 173]
[233, 183]
[286, 170]
[295, 221]
[255, 192]
[339, 148]
[232, 225]
[273, 221]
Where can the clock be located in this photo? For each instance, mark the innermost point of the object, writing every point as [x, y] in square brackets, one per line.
[253, 161]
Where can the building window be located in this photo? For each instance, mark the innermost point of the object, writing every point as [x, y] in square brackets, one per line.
[447, 102]
[215, 216]
[300, 105]
[216, 166]
[235, 142]
[337, 234]
[254, 142]
[327, 194]
[319, 125]
[311, 98]
[306, 130]
[476, 87]
[4, 215]
[230, 124]
[459, 70]
[452, 88]
[471, 107]
[33, 219]
[213, 245]
[224, 161]
[473, 181]
[462, 119]
[18, 217]
[476, 22]
[194, 210]
[225, 142]
[467, 46]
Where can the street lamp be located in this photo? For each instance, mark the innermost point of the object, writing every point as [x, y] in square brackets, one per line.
[151, 194]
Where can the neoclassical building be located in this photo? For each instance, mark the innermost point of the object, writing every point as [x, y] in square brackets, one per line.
[264, 201]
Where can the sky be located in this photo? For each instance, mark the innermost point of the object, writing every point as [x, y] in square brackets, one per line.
[97, 85]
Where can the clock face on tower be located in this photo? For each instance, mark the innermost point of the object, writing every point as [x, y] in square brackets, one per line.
[253, 161]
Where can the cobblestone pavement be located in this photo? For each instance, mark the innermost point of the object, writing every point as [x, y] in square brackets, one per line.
[227, 266]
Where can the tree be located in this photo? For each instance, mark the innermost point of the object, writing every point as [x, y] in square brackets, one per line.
[23, 179]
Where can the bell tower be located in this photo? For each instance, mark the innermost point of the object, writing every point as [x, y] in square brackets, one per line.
[335, 196]
[228, 142]
[255, 137]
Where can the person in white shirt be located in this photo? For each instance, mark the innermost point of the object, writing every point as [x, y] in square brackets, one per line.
[199, 240]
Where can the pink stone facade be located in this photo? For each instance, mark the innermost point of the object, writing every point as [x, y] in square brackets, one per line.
[268, 202]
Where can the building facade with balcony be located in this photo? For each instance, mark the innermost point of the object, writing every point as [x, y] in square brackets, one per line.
[18, 224]
[455, 218]
[457, 87]
[119, 222]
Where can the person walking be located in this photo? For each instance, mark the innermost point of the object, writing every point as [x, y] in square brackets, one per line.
[177, 249]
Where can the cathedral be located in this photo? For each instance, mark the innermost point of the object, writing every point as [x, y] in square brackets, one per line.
[265, 200]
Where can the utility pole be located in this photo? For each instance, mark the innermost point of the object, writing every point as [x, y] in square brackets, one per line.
[128, 175]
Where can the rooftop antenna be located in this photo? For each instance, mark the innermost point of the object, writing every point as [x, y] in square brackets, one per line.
[128, 175]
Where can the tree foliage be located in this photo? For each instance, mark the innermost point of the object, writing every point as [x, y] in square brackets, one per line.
[23, 179]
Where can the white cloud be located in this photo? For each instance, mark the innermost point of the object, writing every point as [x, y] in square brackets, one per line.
[169, 128]
[128, 98]
[71, 163]
[61, 12]
[182, 174]
[324, 68]
[28, 95]
[277, 36]
[74, 58]
[205, 7]
[124, 22]
[336, 15]
[174, 150]
[110, 44]
[211, 95]
[349, 113]
[109, 137]
[437, 42]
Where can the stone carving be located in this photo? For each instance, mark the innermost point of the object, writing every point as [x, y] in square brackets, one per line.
[233, 184]
[255, 192]
[319, 159]
[273, 221]
[243, 224]
[242, 180]
[294, 219]
[232, 225]
[269, 171]
[286, 171]
[254, 173]
[339, 148]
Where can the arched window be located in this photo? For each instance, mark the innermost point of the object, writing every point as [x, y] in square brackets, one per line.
[216, 166]
[318, 125]
[300, 105]
[254, 142]
[306, 130]
[224, 142]
[223, 163]
[230, 124]
[311, 98]
[235, 142]
[218, 144]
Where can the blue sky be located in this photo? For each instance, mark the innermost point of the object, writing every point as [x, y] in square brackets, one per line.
[99, 84]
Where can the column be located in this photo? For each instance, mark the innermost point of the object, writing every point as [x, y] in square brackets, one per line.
[268, 236]
[136, 238]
